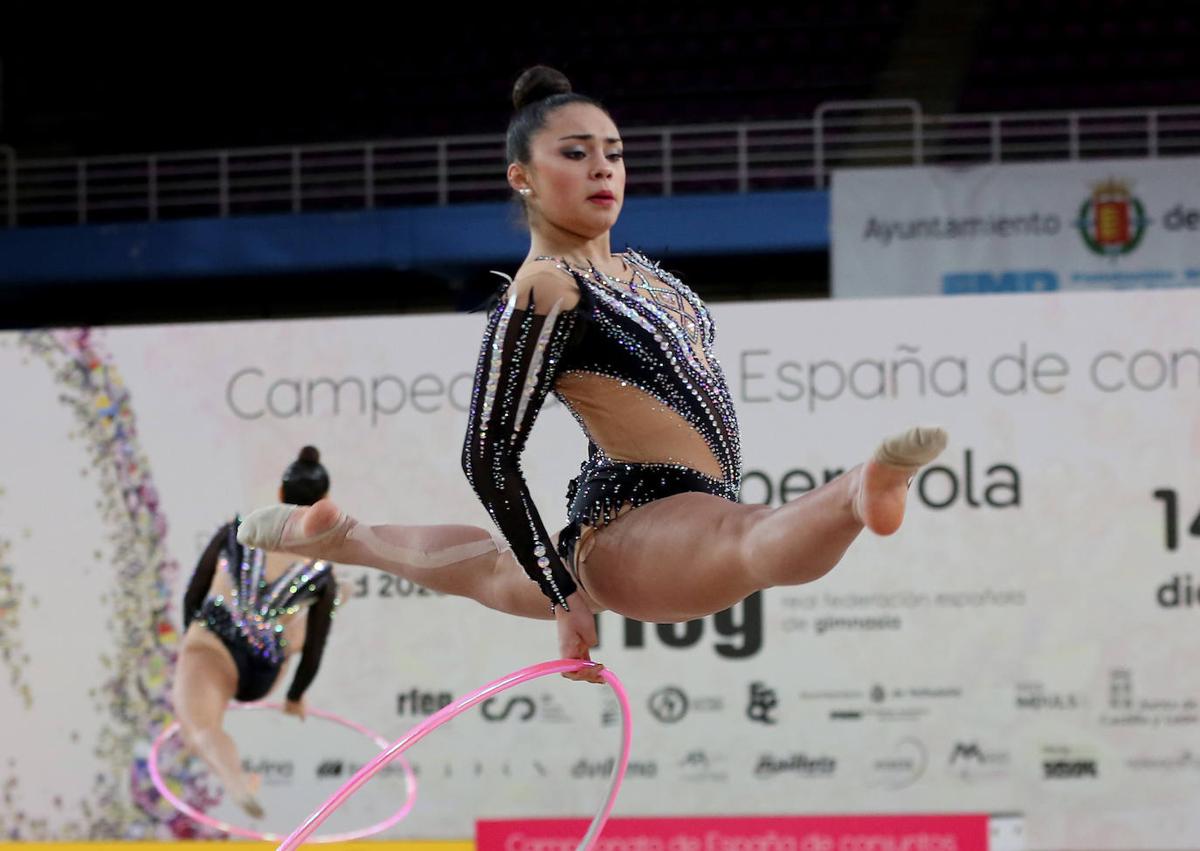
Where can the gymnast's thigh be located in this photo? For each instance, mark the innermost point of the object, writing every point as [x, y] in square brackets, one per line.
[674, 559]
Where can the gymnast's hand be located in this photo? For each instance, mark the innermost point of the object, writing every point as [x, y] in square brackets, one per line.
[295, 707]
[576, 635]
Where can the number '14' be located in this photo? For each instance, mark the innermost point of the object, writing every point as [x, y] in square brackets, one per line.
[1170, 500]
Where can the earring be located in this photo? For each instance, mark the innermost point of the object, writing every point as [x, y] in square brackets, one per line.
[525, 191]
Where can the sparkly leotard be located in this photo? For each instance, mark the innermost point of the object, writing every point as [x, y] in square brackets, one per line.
[630, 352]
[248, 620]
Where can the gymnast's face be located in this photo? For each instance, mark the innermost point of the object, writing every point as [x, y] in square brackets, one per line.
[576, 171]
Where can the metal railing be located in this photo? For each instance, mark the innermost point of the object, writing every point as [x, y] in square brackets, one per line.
[739, 157]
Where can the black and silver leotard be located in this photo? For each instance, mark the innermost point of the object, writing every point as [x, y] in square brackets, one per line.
[633, 361]
[248, 620]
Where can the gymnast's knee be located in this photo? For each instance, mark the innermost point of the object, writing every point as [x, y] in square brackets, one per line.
[191, 735]
[767, 561]
[741, 532]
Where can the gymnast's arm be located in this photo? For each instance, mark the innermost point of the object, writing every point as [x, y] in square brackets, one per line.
[316, 632]
[520, 359]
[202, 576]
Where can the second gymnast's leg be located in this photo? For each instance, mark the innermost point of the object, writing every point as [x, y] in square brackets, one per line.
[205, 682]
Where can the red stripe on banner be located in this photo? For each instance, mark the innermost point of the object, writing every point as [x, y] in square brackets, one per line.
[968, 832]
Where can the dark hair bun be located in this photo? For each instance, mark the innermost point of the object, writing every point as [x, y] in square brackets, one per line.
[305, 481]
[538, 83]
[309, 455]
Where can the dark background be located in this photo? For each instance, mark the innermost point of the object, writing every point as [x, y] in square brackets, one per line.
[79, 82]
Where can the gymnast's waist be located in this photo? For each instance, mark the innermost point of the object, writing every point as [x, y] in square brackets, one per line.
[255, 637]
[604, 485]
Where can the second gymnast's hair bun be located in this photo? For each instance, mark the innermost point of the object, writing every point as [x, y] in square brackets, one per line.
[309, 455]
[538, 83]
[305, 480]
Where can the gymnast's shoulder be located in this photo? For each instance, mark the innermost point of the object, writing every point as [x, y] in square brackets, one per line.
[545, 284]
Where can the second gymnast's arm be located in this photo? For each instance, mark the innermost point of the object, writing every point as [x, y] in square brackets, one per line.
[316, 633]
[202, 576]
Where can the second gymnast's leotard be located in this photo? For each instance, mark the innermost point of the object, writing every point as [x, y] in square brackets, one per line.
[248, 620]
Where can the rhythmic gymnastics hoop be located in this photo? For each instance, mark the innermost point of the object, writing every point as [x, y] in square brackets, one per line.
[410, 783]
[453, 710]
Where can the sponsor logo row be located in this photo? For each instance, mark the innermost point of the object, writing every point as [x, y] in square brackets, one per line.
[762, 703]
[908, 761]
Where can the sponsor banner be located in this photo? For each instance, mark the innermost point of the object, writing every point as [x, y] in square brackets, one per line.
[824, 833]
[362, 845]
[1014, 648]
[1042, 227]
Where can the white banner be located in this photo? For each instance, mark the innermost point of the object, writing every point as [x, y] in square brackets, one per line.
[1019, 647]
[1090, 225]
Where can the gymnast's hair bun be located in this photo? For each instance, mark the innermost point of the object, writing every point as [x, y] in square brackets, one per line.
[305, 480]
[309, 455]
[538, 83]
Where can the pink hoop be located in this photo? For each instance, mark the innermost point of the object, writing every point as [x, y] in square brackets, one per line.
[410, 783]
[533, 672]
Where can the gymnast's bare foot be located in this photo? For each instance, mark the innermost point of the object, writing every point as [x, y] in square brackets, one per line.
[247, 799]
[883, 480]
